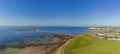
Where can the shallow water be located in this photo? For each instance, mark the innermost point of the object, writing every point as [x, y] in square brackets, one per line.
[8, 35]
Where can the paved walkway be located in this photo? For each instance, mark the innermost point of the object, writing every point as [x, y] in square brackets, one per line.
[61, 49]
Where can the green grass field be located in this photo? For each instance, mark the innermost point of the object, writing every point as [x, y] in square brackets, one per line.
[89, 45]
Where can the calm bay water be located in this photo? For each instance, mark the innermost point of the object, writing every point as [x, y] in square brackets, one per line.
[9, 35]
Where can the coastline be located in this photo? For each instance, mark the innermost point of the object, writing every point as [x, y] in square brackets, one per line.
[34, 40]
[50, 48]
[61, 49]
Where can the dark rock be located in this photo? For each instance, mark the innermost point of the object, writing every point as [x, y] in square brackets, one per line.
[2, 47]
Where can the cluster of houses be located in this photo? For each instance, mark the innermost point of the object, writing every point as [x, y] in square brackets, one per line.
[109, 33]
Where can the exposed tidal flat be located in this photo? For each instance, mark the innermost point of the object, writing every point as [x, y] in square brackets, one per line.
[36, 48]
[35, 40]
[59, 40]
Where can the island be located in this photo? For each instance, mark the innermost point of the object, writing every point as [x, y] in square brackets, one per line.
[22, 30]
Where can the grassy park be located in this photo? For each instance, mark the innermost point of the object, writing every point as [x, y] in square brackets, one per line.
[86, 44]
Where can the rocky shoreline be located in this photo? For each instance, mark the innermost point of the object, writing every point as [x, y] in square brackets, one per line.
[38, 48]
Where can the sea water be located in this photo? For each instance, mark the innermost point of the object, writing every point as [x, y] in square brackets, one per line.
[8, 34]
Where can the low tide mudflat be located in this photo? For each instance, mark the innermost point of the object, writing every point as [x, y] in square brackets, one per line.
[35, 40]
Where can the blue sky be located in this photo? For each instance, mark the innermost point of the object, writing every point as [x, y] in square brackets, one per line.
[60, 12]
